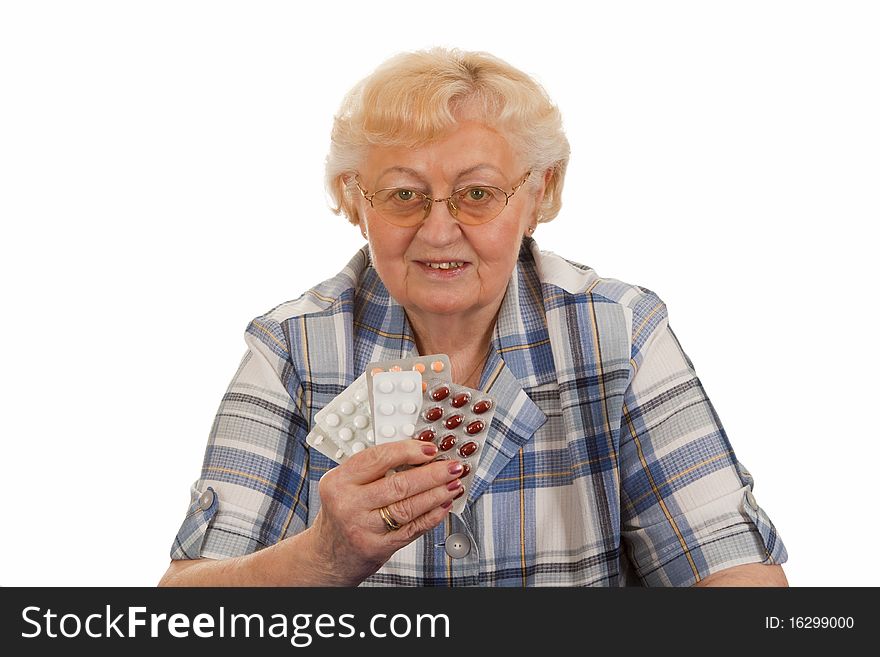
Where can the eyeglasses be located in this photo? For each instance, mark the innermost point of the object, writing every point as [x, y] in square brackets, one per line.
[472, 205]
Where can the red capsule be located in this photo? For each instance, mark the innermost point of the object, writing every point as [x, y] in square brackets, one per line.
[433, 414]
[427, 436]
[461, 399]
[467, 449]
[439, 394]
[453, 421]
[447, 443]
[482, 406]
[465, 471]
[475, 427]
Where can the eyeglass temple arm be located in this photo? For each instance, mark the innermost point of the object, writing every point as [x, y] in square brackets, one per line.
[516, 189]
[368, 197]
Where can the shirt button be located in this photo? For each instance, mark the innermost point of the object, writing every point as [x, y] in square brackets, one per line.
[207, 499]
[751, 500]
[458, 545]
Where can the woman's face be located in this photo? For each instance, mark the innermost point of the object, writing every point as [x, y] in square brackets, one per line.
[471, 155]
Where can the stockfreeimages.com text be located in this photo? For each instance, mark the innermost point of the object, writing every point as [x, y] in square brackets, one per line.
[300, 629]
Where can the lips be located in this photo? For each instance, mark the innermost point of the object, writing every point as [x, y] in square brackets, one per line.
[443, 268]
[451, 264]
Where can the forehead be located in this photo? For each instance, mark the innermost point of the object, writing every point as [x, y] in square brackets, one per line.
[467, 146]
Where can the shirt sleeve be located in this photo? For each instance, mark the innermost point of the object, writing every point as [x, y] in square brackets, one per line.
[253, 489]
[687, 507]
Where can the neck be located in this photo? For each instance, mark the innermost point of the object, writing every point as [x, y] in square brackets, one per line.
[465, 338]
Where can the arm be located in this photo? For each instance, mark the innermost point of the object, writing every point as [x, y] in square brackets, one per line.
[687, 509]
[292, 562]
[750, 574]
[349, 540]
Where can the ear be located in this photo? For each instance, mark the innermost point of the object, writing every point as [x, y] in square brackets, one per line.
[542, 189]
[540, 192]
[350, 205]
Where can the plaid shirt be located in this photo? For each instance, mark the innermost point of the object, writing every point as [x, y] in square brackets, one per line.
[606, 464]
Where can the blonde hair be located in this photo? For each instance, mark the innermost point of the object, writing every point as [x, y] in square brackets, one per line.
[417, 97]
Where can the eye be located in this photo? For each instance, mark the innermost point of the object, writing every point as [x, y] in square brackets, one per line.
[404, 195]
[476, 194]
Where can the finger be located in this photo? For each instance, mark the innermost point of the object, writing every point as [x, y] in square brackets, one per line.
[407, 510]
[372, 464]
[418, 526]
[402, 485]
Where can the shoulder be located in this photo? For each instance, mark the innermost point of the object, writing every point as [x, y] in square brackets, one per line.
[574, 281]
[330, 297]
[643, 315]
[324, 296]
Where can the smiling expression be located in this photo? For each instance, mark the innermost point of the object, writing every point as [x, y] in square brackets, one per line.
[442, 267]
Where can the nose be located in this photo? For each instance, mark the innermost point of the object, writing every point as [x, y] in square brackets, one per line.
[440, 227]
[450, 205]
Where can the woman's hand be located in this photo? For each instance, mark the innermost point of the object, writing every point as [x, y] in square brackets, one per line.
[349, 536]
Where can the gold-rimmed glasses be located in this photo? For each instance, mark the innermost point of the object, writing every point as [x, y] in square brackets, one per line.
[472, 205]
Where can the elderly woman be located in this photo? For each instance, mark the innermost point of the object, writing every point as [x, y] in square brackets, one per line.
[605, 463]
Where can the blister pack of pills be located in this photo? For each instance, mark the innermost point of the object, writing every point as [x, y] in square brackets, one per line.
[457, 420]
[344, 426]
[396, 401]
[435, 369]
[402, 399]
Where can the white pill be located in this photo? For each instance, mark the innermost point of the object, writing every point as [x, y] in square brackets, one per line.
[345, 433]
[408, 407]
[339, 454]
[407, 385]
[361, 421]
[386, 386]
[332, 420]
[370, 436]
[360, 396]
[387, 430]
[357, 447]
[408, 429]
[386, 409]
[315, 439]
[347, 408]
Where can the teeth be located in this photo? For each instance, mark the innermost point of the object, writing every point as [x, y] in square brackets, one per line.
[445, 265]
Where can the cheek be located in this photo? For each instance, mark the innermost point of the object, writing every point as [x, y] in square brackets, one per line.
[500, 246]
[388, 247]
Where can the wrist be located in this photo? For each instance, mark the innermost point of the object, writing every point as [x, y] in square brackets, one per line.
[316, 559]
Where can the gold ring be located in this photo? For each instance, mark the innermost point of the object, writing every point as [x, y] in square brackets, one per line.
[390, 522]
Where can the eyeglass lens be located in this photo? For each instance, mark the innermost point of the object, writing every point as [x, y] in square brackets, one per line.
[471, 205]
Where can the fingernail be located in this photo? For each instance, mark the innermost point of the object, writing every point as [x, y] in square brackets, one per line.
[460, 493]
[455, 468]
[446, 505]
[430, 449]
[452, 485]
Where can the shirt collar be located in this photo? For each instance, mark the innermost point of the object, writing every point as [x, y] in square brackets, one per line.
[381, 329]
[520, 359]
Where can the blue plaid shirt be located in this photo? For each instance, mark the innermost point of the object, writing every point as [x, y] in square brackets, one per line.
[606, 464]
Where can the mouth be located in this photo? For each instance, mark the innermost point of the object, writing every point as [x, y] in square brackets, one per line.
[443, 268]
[452, 264]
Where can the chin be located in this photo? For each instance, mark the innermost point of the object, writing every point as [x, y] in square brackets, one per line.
[441, 306]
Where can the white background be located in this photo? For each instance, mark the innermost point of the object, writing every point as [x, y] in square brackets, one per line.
[161, 183]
